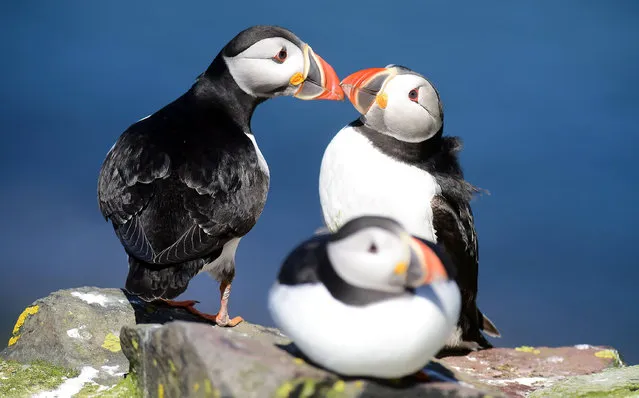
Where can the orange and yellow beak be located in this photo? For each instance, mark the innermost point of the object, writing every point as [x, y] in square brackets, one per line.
[366, 87]
[319, 80]
[425, 266]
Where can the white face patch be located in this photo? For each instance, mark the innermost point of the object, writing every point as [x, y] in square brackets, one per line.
[260, 72]
[367, 259]
[403, 118]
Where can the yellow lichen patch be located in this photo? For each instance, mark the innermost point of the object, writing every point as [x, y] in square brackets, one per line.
[196, 387]
[111, 343]
[308, 389]
[359, 384]
[284, 390]
[172, 366]
[610, 354]
[298, 361]
[155, 362]
[526, 348]
[339, 386]
[134, 343]
[207, 386]
[160, 390]
[23, 317]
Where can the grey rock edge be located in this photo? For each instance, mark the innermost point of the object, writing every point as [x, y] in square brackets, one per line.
[173, 354]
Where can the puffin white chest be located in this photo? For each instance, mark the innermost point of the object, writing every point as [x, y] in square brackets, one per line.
[357, 179]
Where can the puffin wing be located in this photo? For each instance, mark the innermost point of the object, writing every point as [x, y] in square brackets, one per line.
[126, 185]
[224, 199]
[455, 227]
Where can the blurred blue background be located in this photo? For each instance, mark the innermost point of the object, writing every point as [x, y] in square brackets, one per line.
[544, 94]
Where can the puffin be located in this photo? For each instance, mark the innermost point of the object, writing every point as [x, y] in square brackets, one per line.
[395, 161]
[182, 186]
[368, 300]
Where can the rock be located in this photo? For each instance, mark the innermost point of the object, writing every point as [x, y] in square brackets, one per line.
[184, 359]
[621, 382]
[78, 328]
[524, 369]
[18, 380]
[85, 341]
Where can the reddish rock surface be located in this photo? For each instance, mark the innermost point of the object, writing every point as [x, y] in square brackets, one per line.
[519, 371]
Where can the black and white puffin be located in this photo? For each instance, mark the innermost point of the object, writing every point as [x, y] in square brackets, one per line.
[394, 161]
[368, 300]
[184, 185]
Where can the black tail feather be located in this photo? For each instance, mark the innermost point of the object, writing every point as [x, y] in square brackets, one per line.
[489, 327]
[150, 282]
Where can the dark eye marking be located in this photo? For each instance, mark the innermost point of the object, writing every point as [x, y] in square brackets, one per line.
[281, 56]
[413, 95]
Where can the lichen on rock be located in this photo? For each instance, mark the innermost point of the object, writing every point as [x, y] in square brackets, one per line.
[25, 380]
[611, 383]
[104, 343]
[15, 334]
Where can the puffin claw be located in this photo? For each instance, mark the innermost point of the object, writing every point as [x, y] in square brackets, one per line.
[226, 322]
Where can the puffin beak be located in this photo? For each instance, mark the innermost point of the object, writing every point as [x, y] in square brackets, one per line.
[319, 81]
[425, 266]
[365, 87]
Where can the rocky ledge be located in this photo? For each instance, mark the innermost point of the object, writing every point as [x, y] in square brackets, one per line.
[92, 342]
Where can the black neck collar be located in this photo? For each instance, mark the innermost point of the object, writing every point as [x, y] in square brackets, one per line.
[216, 88]
[408, 152]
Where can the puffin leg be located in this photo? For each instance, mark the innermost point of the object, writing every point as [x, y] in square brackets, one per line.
[180, 304]
[222, 317]
[189, 305]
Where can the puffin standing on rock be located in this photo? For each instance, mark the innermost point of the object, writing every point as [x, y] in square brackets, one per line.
[184, 185]
[394, 161]
[368, 300]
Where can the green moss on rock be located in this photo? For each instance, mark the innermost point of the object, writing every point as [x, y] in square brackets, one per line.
[19, 380]
[124, 389]
[614, 382]
[307, 387]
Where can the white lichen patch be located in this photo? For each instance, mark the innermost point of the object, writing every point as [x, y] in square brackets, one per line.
[71, 386]
[104, 388]
[92, 298]
[463, 370]
[74, 333]
[112, 370]
[555, 359]
[524, 381]
[583, 346]
[79, 333]
[471, 359]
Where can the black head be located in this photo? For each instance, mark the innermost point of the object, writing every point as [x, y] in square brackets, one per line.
[270, 61]
[370, 258]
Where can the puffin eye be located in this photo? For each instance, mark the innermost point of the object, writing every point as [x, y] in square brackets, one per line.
[413, 95]
[280, 57]
[372, 248]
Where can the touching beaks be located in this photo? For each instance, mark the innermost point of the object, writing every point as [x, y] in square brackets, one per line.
[425, 266]
[319, 80]
[365, 87]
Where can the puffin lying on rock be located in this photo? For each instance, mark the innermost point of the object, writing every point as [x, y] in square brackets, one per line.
[184, 185]
[394, 161]
[368, 300]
